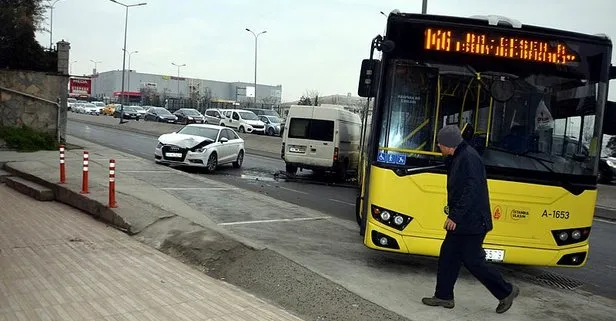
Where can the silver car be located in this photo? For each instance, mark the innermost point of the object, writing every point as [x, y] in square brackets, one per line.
[273, 125]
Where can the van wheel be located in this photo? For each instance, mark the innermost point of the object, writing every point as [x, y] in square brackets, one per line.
[291, 170]
[241, 130]
[341, 172]
[270, 132]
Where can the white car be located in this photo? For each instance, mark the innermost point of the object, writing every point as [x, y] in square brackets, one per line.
[201, 145]
[100, 106]
[90, 109]
[242, 120]
[140, 110]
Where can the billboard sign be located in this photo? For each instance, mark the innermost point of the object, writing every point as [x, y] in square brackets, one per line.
[80, 86]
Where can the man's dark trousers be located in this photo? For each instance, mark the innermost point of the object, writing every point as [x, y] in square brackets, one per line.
[467, 249]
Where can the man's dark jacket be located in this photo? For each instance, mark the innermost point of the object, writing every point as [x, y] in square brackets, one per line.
[467, 192]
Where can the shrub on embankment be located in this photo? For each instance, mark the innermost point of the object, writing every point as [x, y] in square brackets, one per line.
[26, 139]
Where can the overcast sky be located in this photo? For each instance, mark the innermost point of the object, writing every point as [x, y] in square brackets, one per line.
[311, 44]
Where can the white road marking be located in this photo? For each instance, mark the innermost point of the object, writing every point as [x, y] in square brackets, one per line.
[293, 190]
[605, 221]
[199, 188]
[342, 202]
[277, 220]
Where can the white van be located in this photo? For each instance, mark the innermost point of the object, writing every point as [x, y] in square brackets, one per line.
[321, 138]
[243, 121]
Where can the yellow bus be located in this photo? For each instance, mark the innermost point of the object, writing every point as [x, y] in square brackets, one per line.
[531, 100]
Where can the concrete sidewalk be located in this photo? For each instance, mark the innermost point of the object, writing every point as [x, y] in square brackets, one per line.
[59, 264]
[305, 261]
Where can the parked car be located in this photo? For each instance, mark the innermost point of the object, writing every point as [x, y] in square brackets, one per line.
[141, 110]
[100, 106]
[189, 116]
[201, 145]
[272, 125]
[323, 138]
[90, 109]
[160, 114]
[77, 107]
[213, 116]
[242, 120]
[109, 109]
[607, 170]
[70, 102]
[126, 112]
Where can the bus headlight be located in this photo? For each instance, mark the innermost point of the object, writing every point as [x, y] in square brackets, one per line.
[385, 216]
[398, 220]
[390, 218]
[571, 236]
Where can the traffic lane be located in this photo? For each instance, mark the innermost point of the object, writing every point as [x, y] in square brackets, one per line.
[257, 173]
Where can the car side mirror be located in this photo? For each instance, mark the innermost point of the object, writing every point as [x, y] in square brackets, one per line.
[224, 139]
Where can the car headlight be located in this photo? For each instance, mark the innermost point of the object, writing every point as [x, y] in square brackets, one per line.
[190, 118]
[611, 163]
[159, 146]
[201, 150]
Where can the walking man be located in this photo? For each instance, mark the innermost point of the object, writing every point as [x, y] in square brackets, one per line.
[469, 219]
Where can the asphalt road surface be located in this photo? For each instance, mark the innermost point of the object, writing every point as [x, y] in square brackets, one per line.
[258, 174]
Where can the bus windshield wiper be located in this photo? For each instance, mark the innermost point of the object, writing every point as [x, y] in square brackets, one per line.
[410, 171]
[538, 159]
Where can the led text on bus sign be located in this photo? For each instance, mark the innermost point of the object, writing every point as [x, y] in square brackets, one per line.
[483, 44]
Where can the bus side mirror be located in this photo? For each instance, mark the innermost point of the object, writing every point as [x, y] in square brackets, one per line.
[368, 78]
[609, 118]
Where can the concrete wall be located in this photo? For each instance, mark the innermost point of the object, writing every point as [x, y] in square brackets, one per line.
[21, 107]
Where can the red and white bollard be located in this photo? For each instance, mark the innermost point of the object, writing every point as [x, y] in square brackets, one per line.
[112, 200]
[62, 166]
[84, 181]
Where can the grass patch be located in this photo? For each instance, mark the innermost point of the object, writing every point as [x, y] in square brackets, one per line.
[26, 139]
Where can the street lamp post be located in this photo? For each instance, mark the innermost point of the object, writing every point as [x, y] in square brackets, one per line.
[424, 7]
[95, 65]
[70, 66]
[51, 6]
[122, 94]
[128, 80]
[177, 65]
[256, 35]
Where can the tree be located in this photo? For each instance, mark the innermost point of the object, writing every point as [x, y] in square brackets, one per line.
[611, 146]
[313, 95]
[19, 20]
[305, 101]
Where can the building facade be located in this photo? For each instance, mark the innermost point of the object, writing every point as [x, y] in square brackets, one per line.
[108, 85]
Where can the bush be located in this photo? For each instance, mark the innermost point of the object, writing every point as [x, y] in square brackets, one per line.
[26, 139]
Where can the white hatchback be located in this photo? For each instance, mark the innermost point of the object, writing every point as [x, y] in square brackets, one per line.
[201, 145]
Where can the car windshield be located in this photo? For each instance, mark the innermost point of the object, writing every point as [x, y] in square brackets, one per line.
[274, 119]
[248, 115]
[129, 108]
[270, 112]
[138, 108]
[162, 111]
[210, 133]
[89, 105]
[191, 112]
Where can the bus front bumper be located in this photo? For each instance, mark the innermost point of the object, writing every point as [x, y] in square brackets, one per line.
[385, 240]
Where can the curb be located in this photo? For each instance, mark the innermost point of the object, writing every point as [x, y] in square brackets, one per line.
[76, 200]
[149, 133]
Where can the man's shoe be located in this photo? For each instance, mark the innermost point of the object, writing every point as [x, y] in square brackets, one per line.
[506, 303]
[436, 302]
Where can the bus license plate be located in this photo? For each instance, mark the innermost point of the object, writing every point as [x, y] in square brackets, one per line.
[494, 255]
[173, 155]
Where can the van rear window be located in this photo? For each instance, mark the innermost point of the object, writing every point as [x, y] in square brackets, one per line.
[313, 129]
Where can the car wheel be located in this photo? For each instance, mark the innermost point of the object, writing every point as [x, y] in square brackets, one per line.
[604, 178]
[212, 163]
[186, 121]
[270, 132]
[241, 130]
[240, 160]
[291, 170]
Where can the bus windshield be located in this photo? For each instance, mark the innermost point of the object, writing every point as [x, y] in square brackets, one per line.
[546, 122]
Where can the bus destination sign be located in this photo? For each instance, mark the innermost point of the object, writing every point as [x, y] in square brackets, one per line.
[496, 45]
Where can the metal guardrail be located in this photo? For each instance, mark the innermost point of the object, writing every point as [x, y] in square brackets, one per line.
[39, 99]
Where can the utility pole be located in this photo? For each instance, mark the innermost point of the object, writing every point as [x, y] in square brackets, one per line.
[424, 7]
[177, 65]
[256, 35]
[51, 6]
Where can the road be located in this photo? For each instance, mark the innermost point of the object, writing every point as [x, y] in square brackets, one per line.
[257, 174]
